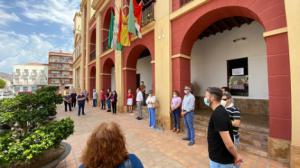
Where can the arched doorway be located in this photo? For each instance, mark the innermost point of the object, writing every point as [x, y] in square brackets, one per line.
[92, 80]
[108, 75]
[139, 68]
[190, 26]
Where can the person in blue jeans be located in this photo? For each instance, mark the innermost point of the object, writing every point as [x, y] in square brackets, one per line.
[175, 111]
[108, 102]
[81, 101]
[188, 106]
[106, 148]
[151, 102]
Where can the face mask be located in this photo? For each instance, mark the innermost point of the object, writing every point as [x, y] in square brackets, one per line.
[206, 102]
[174, 95]
[223, 103]
[186, 91]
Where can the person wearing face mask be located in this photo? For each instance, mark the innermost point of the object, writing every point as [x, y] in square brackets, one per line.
[234, 114]
[175, 111]
[188, 106]
[221, 149]
[114, 100]
[151, 101]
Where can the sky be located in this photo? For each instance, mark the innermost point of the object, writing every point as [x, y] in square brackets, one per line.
[29, 29]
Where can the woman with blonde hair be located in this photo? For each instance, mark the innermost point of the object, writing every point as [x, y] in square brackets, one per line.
[106, 148]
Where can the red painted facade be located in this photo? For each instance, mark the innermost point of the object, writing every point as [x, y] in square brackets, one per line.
[271, 15]
[130, 56]
[107, 62]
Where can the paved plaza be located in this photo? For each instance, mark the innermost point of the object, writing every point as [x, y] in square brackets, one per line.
[155, 148]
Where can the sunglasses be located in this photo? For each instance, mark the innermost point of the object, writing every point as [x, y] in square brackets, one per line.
[225, 99]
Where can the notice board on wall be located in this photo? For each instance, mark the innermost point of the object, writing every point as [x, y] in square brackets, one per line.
[237, 76]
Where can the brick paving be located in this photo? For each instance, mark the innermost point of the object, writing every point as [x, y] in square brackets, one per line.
[155, 148]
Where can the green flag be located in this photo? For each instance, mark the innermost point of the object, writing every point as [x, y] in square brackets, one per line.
[111, 30]
[131, 19]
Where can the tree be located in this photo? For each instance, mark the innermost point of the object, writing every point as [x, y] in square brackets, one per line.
[2, 84]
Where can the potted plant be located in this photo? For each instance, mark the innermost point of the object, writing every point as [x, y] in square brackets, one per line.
[33, 140]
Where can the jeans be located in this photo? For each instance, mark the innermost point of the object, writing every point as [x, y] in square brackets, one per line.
[80, 108]
[176, 117]
[108, 105]
[213, 164]
[94, 102]
[139, 109]
[152, 117]
[74, 103]
[103, 104]
[188, 122]
[114, 107]
[66, 106]
[236, 140]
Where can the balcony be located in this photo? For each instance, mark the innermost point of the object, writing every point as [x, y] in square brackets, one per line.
[92, 55]
[148, 14]
[105, 45]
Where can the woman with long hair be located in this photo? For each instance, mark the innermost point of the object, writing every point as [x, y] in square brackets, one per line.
[106, 148]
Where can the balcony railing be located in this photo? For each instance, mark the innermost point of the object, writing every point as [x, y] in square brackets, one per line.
[92, 55]
[183, 2]
[148, 14]
[105, 45]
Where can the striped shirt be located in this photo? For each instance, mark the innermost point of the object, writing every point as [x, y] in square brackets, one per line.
[234, 114]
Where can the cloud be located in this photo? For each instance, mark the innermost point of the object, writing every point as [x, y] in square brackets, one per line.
[6, 17]
[53, 11]
[18, 49]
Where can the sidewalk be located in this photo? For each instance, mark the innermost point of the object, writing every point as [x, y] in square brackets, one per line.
[155, 148]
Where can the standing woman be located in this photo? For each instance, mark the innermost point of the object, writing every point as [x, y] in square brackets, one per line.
[151, 103]
[114, 100]
[106, 148]
[129, 101]
[108, 96]
[175, 110]
[73, 96]
[102, 97]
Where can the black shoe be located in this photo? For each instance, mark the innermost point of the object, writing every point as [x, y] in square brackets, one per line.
[191, 143]
[186, 139]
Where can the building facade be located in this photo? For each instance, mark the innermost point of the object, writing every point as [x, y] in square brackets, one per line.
[60, 71]
[249, 46]
[78, 67]
[29, 77]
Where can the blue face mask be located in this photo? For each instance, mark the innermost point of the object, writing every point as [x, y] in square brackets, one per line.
[206, 102]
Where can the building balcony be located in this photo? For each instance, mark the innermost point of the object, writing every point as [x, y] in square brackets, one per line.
[148, 14]
[179, 3]
[92, 55]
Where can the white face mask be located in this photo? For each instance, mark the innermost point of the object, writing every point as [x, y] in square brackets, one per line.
[223, 103]
[186, 91]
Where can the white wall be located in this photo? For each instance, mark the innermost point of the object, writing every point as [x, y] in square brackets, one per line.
[144, 68]
[113, 79]
[210, 55]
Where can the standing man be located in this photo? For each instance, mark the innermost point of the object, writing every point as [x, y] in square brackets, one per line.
[95, 96]
[234, 115]
[188, 106]
[81, 101]
[73, 96]
[139, 102]
[67, 101]
[222, 152]
[143, 90]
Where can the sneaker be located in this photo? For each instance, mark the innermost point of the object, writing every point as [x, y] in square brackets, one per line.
[191, 143]
[186, 139]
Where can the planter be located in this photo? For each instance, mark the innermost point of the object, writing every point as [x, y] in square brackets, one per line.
[49, 159]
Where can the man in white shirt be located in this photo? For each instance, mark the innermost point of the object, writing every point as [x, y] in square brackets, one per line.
[139, 102]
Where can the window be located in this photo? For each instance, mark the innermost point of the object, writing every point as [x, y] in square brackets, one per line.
[237, 76]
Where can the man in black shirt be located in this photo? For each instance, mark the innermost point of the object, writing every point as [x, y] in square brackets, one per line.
[67, 101]
[81, 101]
[222, 152]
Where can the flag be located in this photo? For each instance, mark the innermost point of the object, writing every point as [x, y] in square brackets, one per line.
[131, 19]
[138, 13]
[111, 30]
[124, 37]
